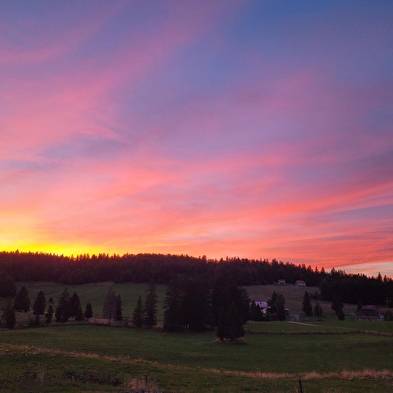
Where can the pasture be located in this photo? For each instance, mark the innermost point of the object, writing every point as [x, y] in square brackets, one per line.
[328, 355]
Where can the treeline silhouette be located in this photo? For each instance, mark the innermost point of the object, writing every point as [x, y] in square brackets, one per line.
[160, 268]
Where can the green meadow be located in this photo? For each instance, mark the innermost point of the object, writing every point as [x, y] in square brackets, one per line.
[327, 355]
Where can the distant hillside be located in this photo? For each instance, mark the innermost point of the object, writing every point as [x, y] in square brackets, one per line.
[143, 268]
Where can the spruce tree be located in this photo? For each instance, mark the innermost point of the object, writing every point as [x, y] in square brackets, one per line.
[307, 308]
[49, 314]
[39, 306]
[62, 313]
[88, 311]
[150, 309]
[22, 300]
[119, 309]
[109, 309]
[338, 306]
[236, 328]
[277, 306]
[195, 304]
[173, 307]
[75, 308]
[255, 312]
[137, 316]
[318, 310]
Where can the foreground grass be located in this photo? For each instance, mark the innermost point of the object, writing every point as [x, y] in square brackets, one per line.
[78, 356]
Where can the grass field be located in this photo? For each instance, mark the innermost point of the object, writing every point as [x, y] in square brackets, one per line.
[328, 355]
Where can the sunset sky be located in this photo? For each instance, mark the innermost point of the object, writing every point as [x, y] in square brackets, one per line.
[259, 129]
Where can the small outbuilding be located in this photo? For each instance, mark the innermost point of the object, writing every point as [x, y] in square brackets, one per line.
[300, 283]
[369, 313]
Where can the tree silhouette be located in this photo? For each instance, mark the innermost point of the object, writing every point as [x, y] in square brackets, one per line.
[119, 309]
[22, 300]
[137, 316]
[150, 308]
[277, 306]
[318, 310]
[88, 311]
[39, 306]
[109, 310]
[307, 308]
[230, 323]
[338, 306]
[173, 307]
[62, 313]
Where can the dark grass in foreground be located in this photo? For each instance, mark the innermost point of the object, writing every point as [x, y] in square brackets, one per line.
[94, 358]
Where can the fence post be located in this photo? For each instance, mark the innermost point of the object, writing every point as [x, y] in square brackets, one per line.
[300, 386]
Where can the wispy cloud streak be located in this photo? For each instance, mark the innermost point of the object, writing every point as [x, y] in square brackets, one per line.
[198, 127]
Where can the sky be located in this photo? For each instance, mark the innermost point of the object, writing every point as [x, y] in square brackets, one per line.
[251, 129]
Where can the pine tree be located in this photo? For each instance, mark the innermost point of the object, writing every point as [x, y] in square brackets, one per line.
[109, 309]
[236, 328]
[88, 311]
[338, 306]
[318, 310]
[194, 303]
[119, 309]
[62, 313]
[75, 308]
[230, 323]
[49, 314]
[137, 316]
[22, 300]
[173, 308]
[277, 306]
[255, 312]
[307, 308]
[9, 315]
[39, 306]
[150, 309]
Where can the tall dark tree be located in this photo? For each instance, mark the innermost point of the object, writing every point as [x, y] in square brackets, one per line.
[119, 309]
[338, 306]
[22, 300]
[230, 323]
[137, 316]
[110, 304]
[195, 303]
[277, 306]
[88, 311]
[255, 312]
[307, 307]
[75, 308]
[150, 309]
[39, 306]
[174, 319]
[49, 313]
[8, 315]
[318, 310]
[62, 313]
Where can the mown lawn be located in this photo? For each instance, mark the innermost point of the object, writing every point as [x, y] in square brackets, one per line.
[327, 354]
[294, 355]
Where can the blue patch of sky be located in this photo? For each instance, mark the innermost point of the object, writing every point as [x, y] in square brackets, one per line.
[85, 146]
[326, 34]
[370, 213]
